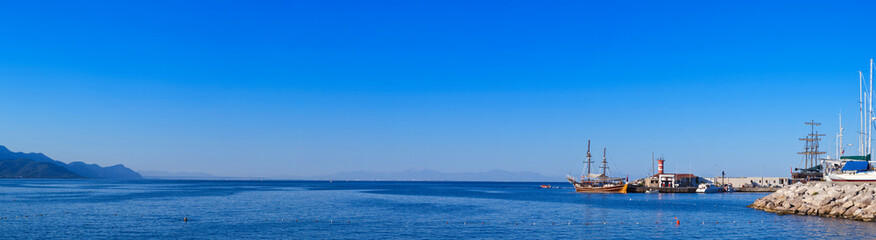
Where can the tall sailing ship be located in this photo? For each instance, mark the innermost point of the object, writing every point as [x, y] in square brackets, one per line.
[598, 183]
[857, 168]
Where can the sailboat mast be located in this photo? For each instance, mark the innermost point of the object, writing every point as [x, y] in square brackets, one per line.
[870, 111]
[839, 138]
[861, 112]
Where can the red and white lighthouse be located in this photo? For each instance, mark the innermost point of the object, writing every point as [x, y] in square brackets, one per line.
[660, 166]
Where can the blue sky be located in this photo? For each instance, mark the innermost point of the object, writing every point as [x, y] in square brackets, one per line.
[274, 88]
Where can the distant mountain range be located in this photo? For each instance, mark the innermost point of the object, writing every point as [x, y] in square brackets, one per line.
[432, 175]
[26, 168]
[38, 165]
[177, 175]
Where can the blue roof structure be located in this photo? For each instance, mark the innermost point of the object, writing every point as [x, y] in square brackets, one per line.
[855, 166]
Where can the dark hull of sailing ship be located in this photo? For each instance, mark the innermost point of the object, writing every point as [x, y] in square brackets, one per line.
[591, 187]
[597, 183]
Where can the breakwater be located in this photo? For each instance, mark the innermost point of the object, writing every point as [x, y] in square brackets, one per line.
[842, 200]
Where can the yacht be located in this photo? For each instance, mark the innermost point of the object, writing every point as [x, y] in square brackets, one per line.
[709, 188]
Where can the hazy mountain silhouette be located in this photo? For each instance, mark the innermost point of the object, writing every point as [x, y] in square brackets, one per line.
[79, 168]
[432, 175]
[26, 168]
[177, 175]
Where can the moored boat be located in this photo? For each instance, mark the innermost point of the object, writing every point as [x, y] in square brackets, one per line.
[598, 183]
[852, 171]
[709, 188]
[859, 168]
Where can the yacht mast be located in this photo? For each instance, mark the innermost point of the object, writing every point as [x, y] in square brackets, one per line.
[861, 112]
[839, 138]
[870, 110]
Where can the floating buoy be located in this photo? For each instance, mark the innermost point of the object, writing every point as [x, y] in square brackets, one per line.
[185, 219]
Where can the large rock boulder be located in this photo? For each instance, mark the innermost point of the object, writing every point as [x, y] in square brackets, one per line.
[845, 200]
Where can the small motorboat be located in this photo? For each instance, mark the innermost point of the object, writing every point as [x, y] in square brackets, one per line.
[652, 191]
[545, 186]
[729, 188]
[709, 188]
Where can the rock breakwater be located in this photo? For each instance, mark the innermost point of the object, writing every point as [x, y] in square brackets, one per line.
[842, 200]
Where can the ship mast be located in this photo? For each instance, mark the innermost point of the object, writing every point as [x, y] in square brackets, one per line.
[588, 158]
[604, 162]
[810, 147]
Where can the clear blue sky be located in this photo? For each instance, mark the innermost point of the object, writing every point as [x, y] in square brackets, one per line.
[267, 88]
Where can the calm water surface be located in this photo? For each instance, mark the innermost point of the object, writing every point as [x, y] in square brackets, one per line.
[386, 210]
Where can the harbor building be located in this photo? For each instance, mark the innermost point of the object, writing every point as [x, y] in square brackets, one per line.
[671, 180]
[764, 182]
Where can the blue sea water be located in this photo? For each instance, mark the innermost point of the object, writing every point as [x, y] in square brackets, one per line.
[76, 209]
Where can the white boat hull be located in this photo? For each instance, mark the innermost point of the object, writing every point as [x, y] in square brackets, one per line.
[710, 190]
[868, 176]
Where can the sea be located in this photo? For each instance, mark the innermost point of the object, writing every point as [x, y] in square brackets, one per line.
[216, 209]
